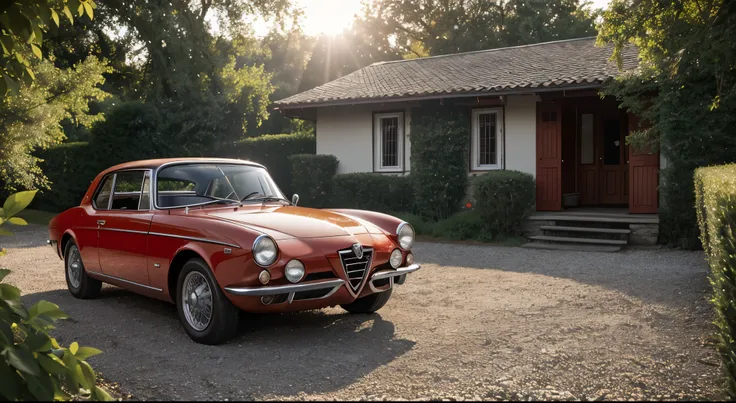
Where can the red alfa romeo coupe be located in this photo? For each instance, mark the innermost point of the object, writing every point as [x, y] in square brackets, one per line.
[215, 236]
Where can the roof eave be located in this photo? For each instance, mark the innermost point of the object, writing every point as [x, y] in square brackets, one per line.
[513, 91]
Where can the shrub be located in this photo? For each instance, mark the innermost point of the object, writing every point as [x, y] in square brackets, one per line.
[715, 195]
[370, 191]
[130, 131]
[33, 366]
[70, 169]
[273, 151]
[502, 198]
[312, 178]
[439, 154]
[460, 226]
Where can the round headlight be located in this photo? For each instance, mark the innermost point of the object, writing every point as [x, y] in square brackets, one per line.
[294, 271]
[396, 259]
[265, 251]
[405, 234]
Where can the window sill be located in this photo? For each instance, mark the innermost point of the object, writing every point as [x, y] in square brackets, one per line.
[485, 169]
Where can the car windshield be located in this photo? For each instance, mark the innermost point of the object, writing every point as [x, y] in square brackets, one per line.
[197, 184]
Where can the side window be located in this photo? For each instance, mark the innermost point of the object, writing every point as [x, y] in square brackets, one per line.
[102, 198]
[145, 203]
[127, 192]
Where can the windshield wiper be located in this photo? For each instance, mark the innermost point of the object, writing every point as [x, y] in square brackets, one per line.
[219, 200]
[265, 199]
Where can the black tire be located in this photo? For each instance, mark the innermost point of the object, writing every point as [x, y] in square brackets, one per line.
[369, 303]
[88, 287]
[223, 323]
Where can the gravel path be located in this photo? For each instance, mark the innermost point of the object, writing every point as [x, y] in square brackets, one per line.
[477, 322]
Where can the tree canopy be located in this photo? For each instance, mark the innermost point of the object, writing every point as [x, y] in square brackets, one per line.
[685, 90]
[196, 78]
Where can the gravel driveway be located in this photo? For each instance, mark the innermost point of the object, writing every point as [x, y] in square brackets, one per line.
[477, 322]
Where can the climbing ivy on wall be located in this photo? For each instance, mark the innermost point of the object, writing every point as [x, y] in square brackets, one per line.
[439, 158]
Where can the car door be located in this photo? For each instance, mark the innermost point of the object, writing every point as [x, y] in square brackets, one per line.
[86, 232]
[123, 228]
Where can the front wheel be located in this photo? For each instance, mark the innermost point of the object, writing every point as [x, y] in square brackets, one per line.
[369, 303]
[204, 310]
[77, 281]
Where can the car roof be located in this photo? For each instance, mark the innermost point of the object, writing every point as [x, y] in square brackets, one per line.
[155, 163]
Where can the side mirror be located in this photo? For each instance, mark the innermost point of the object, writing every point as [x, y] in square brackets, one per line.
[295, 199]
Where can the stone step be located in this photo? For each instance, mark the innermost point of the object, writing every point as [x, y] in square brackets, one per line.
[594, 218]
[585, 229]
[572, 247]
[560, 239]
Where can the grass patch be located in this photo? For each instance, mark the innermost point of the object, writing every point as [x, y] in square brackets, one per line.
[36, 216]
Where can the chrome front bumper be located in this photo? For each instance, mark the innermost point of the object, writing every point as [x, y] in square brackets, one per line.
[333, 285]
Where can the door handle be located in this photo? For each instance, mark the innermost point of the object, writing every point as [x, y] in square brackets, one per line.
[101, 222]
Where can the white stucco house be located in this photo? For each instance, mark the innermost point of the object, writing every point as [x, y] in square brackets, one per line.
[532, 108]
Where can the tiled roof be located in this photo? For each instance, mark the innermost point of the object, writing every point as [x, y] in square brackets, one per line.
[560, 64]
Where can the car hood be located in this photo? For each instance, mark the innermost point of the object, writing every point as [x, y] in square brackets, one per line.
[298, 222]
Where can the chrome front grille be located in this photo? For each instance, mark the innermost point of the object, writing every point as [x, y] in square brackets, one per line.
[356, 268]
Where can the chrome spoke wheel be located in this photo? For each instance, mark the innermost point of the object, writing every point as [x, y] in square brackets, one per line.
[196, 301]
[74, 267]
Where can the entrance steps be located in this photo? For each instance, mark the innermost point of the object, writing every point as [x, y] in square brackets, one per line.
[590, 231]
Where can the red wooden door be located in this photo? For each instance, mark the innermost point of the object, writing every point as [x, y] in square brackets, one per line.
[612, 156]
[549, 157]
[643, 178]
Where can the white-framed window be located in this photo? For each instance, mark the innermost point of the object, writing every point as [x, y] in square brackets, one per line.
[486, 146]
[388, 142]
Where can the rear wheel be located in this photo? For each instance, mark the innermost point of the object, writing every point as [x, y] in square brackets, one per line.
[204, 311]
[369, 303]
[79, 283]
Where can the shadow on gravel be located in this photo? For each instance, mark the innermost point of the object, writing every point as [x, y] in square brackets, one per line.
[147, 351]
[670, 277]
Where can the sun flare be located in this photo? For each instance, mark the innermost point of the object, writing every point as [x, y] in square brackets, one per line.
[328, 17]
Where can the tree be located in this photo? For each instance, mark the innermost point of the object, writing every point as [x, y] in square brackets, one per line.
[188, 70]
[22, 24]
[435, 27]
[32, 118]
[333, 57]
[685, 91]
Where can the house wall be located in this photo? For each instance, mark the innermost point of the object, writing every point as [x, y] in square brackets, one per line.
[521, 133]
[347, 133]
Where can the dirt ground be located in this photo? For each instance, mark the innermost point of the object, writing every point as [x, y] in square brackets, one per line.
[476, 322]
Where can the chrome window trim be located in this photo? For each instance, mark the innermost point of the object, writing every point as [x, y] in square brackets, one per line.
[154, 181]
[112, 189]
[99, 189]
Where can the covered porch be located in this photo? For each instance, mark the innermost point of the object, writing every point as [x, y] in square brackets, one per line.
[583, 160]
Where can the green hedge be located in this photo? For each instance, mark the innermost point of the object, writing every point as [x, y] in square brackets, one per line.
[439, 159]
[715, 202]
[312, 178]
[273, 151]
[370, 191]
[70, 171]
[502, 199]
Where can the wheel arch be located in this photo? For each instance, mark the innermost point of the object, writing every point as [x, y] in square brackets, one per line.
[182, 256]
[68, 236]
